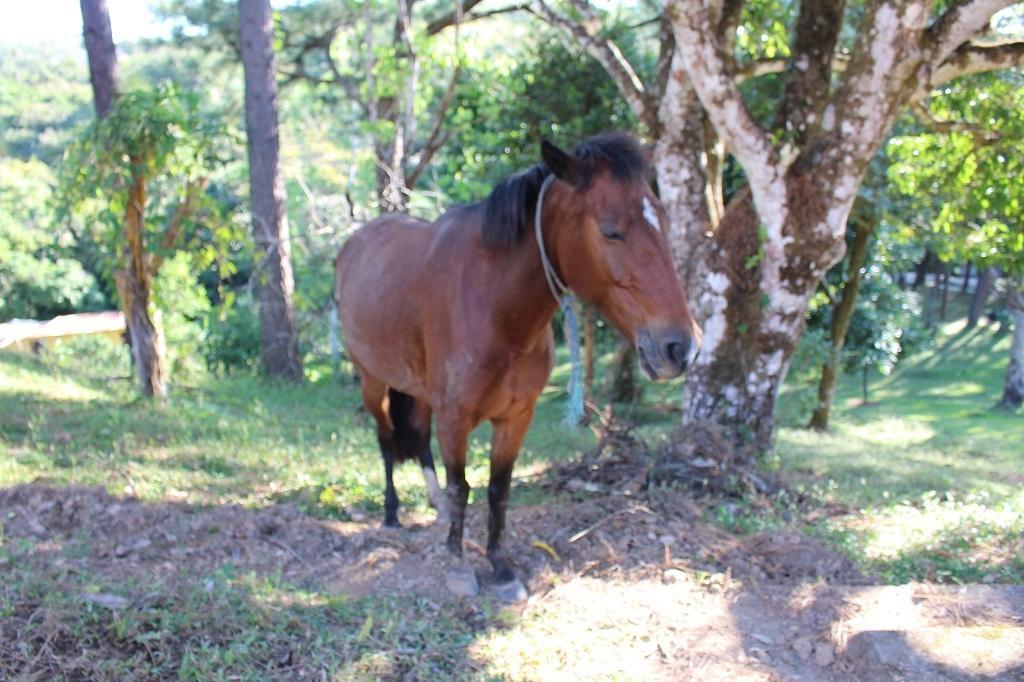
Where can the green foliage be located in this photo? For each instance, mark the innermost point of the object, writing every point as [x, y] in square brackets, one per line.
[886, 324]
[184, 306]
[158, 134]
[763, 31]
[113, 357]
[233, 338]
[44, 97]
[965, 182]
[162, 136]
[553, 91]
[37, 279]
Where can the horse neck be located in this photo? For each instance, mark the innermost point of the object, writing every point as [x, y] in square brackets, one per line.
[525, 303]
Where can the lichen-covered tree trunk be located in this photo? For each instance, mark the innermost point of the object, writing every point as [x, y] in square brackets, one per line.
[134, 286]
[842, 313]
[753, 298]
[779, 236]
[1013, 387]
[278, 336]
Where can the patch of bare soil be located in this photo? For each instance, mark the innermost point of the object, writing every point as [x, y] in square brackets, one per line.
[625, 579]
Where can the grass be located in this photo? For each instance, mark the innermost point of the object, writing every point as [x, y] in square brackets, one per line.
[922, 483]
[225, 625]
[240, 440]
[930, 471]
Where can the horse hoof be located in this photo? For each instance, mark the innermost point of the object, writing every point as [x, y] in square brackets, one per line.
[510, 592]
[462, 582]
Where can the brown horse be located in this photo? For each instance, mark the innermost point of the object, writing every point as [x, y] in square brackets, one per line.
[453, 319]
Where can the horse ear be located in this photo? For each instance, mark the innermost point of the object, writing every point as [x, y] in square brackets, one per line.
[562, 164]
[648, 151]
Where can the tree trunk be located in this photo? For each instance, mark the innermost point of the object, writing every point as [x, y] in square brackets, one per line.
[279, 340]
[968, 266]
[945, 292]
[986, 281]
[99, 45]
[1013, 387]
[625, 387]
[588, 351]
[752, 299]
[921, 270]
[842, 313]
[134, 285]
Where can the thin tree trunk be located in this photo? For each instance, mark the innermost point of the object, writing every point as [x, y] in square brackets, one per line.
[134, 282]
[99, 45]
[625, 387]
[134, 285]
[967, 277]
[945, 292]
[588, 351]
[986, 281]
[842, 313]
[1013, 387]
[280, 347]
[921, 271]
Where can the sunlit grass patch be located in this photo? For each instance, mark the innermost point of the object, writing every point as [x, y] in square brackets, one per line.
[931, 426]
[939, 537]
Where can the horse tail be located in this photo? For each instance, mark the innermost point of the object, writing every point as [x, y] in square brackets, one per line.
[406, 439]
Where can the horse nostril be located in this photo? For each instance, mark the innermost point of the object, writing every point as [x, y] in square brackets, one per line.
[678, 352]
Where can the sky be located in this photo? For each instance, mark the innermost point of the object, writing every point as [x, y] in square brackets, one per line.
[58, 23]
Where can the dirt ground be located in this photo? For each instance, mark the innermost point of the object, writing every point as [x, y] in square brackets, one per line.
[630, 588]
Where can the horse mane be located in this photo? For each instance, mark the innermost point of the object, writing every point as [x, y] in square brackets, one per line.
[509, 208]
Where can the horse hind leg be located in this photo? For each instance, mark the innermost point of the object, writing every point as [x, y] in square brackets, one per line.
[376, 399]
[411, 418]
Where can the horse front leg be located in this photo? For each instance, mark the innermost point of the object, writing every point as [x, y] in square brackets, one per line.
[453, 434]
[507, 439]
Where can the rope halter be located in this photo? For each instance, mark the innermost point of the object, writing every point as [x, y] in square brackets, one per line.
[555, 284]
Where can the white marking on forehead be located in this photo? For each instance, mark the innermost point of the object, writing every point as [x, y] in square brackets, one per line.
[651, 215]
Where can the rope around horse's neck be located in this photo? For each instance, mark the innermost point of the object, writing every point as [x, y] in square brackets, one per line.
[570, 326]
[555, 284]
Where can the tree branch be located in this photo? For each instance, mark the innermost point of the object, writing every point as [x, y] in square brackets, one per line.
[970, 59]
[459, 14]
[436, 139]
[608, 54]
[964, 20]
[476, 16]
[809, 70]
[981, 136]
[873, 88]
[719, 92]
[182, 212]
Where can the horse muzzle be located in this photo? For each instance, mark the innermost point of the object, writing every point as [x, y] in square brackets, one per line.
[665, 354]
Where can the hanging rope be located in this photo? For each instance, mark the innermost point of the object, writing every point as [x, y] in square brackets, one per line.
[570, 325]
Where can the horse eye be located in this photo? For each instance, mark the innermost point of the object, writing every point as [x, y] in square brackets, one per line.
[611, 232]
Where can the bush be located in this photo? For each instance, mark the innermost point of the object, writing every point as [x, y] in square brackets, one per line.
[183, 305]
[96, 355]
[887, 325]
[233, 338]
